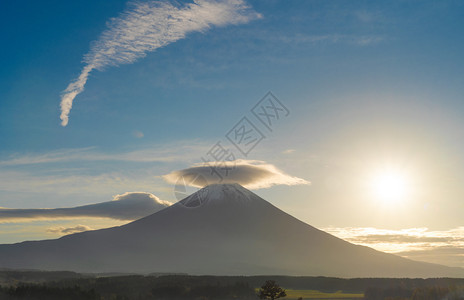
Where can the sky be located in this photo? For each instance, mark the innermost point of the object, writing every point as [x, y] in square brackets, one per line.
[114, 101]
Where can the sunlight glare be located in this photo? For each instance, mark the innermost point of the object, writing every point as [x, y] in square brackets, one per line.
[390, 186]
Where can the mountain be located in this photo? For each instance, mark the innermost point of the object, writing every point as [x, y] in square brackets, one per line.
[222, 229]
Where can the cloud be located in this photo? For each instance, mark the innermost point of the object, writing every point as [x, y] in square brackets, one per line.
[358, 40]
[172, 152]
[86, 175]
[69, 230]
[446, 255]
[138, 134]
[147, 26]
[400, 239]
[288, 151]
[127, 206]
[435, 246]
[368, 16]
[251, 174]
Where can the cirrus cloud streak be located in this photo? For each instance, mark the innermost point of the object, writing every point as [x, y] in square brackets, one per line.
[147, 26]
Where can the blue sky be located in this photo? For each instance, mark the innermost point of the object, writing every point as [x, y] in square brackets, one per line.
[370, 86]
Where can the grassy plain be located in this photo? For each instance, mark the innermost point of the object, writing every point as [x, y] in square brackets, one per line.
[312, 294]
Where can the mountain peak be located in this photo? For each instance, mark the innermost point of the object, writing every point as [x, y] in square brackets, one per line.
[219, 193]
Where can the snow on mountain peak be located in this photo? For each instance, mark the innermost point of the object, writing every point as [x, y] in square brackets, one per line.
[219, 193]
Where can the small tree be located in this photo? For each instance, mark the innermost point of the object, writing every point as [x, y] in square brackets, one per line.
[271, 290]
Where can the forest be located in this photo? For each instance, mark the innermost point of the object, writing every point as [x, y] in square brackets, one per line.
[31, 284]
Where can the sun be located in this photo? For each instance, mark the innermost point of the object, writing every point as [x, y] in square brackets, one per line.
[390, 186]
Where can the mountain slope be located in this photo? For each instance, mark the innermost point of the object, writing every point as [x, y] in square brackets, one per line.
[220, 230]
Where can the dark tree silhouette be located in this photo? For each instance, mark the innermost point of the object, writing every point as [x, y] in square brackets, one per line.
[271, 290]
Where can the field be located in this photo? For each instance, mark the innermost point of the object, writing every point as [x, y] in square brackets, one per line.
[68, 285]
[312, 294]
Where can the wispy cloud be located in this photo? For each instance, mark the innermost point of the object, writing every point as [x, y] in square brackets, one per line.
[75, 183]
[252, 174]
[359, 40]
[288, 151]
[147, 26]
[69, 230]
[435, 246]
[138, 134]
[127, 206]
[173, 152]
